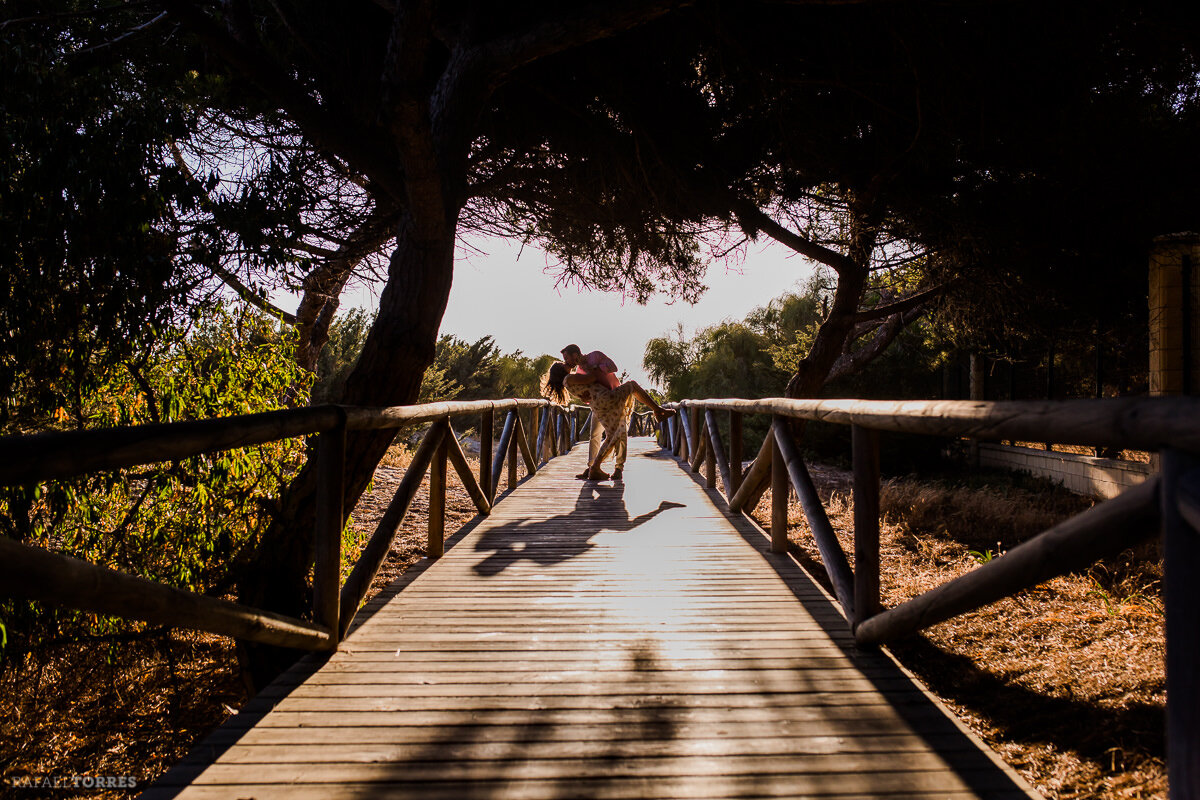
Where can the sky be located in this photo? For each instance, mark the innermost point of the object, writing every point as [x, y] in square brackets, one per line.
[509, 294]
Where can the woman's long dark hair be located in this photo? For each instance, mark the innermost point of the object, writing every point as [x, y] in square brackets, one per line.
[554, 383]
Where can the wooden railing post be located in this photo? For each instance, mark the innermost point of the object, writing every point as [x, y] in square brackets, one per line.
[514, 452]
[697, 441]
[535, 415]
[524, 450]
[331, 470]
[833, 558]
[487, 422]
[1180, 498]
[780, 486]
[715, 458]
[540, 434]
[506, 437]
[864, 444]
[710, 454]
[737, 445]
[684, 447]
[436, 542]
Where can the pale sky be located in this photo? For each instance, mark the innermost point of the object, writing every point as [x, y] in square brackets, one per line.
[515, 301]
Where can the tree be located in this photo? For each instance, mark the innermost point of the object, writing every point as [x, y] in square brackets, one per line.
[633, 138]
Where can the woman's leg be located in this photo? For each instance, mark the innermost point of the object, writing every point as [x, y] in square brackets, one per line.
[645, 399]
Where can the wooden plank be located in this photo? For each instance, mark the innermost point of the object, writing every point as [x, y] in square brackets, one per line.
[495, 742]
[567, 713]
[911, 786]
[867, 775]
[592, 640]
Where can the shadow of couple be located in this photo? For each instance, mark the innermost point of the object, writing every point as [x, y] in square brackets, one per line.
[598, 508]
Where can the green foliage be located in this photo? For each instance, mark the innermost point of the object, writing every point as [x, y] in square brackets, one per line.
[347, 334]
[984, 556]
[87, 253]
[482, 372]
[737, 359]
[191, 523]
[460, 370]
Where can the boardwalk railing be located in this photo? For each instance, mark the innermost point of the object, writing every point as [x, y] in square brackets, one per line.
[32, 573]
[1168, 502]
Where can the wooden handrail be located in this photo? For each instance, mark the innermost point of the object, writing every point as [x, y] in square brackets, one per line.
[1129, 423]
[399, 416]
[36, 574]
[1137, 422]
[56, 455]
[33, 573]
[51, 456]
[1103, 530]
[1170, 502]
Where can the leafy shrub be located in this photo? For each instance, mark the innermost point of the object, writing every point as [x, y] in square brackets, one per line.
[191, 523]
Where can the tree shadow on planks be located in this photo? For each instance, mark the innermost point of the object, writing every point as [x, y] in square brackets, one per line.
[552, 540]
[972, 761]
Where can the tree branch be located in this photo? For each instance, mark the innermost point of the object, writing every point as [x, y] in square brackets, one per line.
[323, 286]
[753, 219]
[325, 129]
[249, 295]
[900, 306]
[572, 28]
[849, 363]
[89, 56]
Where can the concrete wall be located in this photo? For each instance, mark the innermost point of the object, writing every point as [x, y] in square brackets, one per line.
[1095, 477]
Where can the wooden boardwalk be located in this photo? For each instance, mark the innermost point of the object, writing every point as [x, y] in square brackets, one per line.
[597, 641]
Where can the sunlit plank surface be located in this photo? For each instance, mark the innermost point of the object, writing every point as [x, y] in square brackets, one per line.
[597, 641]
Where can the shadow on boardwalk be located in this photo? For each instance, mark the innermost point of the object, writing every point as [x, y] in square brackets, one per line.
[598, 508]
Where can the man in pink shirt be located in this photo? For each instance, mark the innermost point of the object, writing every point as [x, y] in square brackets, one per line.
[603, 370]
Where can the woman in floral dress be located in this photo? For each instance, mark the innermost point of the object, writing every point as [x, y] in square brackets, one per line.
[611, 408]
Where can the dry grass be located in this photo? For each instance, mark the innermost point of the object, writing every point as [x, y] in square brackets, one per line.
[131, 708]
[1065, 680]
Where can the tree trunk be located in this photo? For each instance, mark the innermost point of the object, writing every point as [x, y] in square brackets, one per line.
[832, 337]
[398, 349]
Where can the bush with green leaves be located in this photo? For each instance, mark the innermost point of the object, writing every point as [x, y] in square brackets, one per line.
[192, 523]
